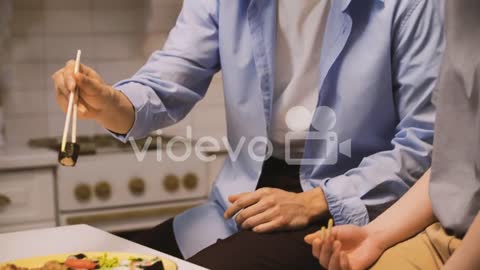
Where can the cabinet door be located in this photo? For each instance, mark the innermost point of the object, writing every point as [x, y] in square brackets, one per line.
[26, 197]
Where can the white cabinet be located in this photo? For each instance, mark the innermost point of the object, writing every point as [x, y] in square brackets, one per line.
[27, 199]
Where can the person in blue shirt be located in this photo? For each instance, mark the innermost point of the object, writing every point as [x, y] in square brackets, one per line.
[436, 224]
[327, 102]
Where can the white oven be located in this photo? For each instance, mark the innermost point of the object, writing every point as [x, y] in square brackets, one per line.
[118, 193]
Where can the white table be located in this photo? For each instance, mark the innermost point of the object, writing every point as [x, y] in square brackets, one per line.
[72, 239]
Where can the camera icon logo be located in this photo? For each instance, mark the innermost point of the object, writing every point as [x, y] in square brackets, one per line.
[299, 120]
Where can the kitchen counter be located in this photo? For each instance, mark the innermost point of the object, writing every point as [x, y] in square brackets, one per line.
[24, 157]
[72, 240]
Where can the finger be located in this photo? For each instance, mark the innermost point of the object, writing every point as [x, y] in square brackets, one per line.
[251, 211]
[316, 247]
[334, 263]
[268, 227]
[68, 71]
[310, 237]
[259, 219]
[243, 202]
[59, 82]
[235, 197]
[326, 252]
[319, 234]
[86, 111]
[344, 262]
[87, 85]
[88, 71]
[63, 100]
[83, 111]
[82, 108]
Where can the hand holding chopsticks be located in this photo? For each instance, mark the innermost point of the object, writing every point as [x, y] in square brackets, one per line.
[68, 154]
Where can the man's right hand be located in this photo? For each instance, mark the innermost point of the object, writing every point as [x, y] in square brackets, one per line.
[94, 94]
[97, 100]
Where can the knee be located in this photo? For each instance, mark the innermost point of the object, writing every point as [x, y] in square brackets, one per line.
[392, 261]
[404, 258]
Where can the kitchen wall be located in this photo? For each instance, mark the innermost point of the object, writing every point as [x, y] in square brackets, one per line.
[5, 23]
[116, 37]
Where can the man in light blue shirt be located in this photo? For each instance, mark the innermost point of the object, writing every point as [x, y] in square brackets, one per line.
[368, 141]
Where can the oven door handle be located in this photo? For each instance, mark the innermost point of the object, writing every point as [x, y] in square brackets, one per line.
[125, 215]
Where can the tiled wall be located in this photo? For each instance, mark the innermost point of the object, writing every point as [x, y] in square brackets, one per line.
[116, 37]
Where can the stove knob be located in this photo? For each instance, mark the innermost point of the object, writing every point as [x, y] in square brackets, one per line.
[4, 201]
[83, 192]
[171, 183]
[103, 190]
[190, 181]
[137, 186]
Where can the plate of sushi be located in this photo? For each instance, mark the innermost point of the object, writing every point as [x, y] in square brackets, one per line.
[91, 261]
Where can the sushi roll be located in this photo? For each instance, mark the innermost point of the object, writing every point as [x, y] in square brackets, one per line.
[69, 157]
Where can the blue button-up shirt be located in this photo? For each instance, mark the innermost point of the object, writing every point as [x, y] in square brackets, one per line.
[379, 63]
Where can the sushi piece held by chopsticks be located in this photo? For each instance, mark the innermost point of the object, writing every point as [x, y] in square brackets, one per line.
[69, 151]
[69, 156]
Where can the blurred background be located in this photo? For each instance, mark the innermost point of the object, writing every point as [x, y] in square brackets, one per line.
[109, 188]
[116, 37]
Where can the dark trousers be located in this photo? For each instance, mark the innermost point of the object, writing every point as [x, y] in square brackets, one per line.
[246, 249]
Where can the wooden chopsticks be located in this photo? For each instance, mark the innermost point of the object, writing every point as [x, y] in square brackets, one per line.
[69, 151]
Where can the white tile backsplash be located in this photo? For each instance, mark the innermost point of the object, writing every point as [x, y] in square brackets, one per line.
[68, 4]
[122, 70]
[20, 129]
[214, 94]
[28, 48]
[28, 4]
[158, 21]
[116, 37]
[118, 21]
[52, 107]
[28, 77]
[117, 46]
[25, 103]
[68, 22]
[28, 22]
[118, 4]
[52, 67]
[63, 48]
[208, 120]
[153, 42]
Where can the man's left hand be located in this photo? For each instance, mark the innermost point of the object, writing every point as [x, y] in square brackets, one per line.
[270, 209]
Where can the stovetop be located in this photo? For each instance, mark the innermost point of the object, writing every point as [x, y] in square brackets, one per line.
[91, 145]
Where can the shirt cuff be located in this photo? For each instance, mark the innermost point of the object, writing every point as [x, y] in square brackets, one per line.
[350, 210]
[138, 95]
